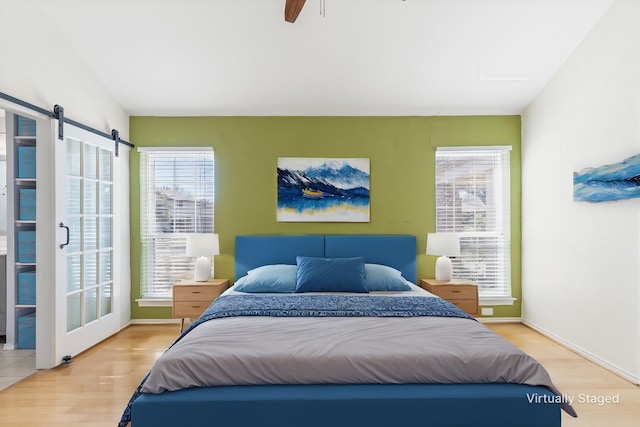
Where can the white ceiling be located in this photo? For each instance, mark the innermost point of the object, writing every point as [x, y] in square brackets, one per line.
[363, 57]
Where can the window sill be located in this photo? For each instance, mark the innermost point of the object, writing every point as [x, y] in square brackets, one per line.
[154, 302]
[489, 301]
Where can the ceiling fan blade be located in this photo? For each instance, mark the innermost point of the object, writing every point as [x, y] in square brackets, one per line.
[292, 9]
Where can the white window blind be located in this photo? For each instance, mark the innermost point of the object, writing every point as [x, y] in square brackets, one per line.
[472, 199]
[176, 199]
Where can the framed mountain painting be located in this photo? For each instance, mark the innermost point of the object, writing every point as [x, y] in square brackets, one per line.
[323, 190]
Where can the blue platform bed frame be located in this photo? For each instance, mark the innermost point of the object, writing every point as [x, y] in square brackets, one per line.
[342, 405]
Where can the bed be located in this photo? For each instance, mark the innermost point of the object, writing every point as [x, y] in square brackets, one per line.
[317, 360]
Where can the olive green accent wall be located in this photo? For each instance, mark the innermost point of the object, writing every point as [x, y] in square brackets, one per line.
[401, 152]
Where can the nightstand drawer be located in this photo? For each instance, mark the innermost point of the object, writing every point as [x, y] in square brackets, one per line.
[469, 306]
[456, 292]
[190, 309]
[195, 293]
[462, 293]
[191, 299]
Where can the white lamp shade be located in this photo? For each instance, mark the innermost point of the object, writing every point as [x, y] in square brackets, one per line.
[443, 244]
[202, 246]
[205, 244]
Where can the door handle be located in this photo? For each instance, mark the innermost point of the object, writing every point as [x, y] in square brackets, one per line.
[62, 245]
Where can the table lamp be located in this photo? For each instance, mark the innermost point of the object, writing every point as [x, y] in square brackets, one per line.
[203, 246]
[444, 245]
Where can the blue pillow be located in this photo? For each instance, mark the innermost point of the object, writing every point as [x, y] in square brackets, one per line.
[380, 277]
[268, 278]
[330, 275]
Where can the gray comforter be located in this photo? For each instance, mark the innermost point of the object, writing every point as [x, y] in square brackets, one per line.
[337, 350]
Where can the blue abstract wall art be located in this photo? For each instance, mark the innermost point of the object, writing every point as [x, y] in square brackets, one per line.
[323, 190]
[608, 183]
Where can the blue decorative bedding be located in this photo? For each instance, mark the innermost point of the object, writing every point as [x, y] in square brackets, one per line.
[329, 306]
[315, 306]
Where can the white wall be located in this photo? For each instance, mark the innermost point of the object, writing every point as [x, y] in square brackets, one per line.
[39, 66]
[581, 261]
[124, 236]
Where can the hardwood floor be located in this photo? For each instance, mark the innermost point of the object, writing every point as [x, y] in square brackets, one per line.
[576, 377]
[95, 388]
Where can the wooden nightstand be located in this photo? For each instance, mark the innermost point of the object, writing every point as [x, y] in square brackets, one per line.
[191, 298]
[461, 293]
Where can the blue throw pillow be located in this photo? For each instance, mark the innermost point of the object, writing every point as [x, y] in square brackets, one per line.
[330, 275]
[380, 277]
[268, 278]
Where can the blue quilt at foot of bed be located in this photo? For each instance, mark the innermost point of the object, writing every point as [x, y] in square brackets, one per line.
[329, 306]
[315, 306]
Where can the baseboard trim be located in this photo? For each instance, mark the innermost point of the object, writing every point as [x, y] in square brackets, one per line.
[499, 319]
[154, 322]
[584, 353]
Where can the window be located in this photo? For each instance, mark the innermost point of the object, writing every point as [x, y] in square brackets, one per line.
[176, 199]
[472, 199]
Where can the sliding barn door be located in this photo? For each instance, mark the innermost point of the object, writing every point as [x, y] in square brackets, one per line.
[86, 292]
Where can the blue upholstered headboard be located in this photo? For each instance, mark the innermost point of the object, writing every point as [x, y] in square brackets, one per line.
[255, 251]
[397, 251]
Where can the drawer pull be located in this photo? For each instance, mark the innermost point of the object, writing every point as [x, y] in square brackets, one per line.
[195, 306]
[195, 292]
[456, 292]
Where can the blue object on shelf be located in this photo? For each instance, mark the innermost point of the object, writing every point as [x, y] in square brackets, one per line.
[26, 246]
[27, 331]
[25, 126]
[27, 288]
[26, 161]
[27, 205]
